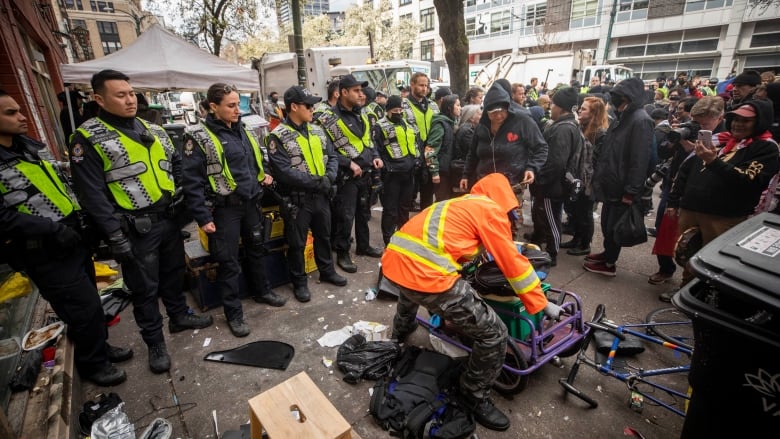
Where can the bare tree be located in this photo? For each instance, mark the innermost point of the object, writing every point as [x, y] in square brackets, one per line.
[452, 30]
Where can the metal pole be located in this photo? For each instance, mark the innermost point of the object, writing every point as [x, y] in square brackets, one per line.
[609, 31]
[295, 5]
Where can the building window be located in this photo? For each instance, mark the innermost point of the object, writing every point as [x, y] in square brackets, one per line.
[109, 36]
[699, 45]
[426, 20]
[765, 40]
[426, 50]
[632, 10]
[624, 52]
[404, 2]
[471, 26]
[668, 48]
[405, 17]
[698, 5]
[74, 23]
[534, 18]
[99, 6]
[584, 13]
[74, 4]
[500, 21]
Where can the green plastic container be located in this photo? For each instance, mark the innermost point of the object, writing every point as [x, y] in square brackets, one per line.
[518, 328]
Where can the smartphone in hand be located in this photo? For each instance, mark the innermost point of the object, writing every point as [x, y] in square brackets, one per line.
[705, 137]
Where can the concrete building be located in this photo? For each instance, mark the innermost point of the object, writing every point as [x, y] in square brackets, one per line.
[309, 8]
[653, 37]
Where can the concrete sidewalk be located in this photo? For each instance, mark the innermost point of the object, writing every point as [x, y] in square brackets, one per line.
[193, 389]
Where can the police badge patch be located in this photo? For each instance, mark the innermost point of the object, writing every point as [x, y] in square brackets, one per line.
[77, 153]
[188, 147]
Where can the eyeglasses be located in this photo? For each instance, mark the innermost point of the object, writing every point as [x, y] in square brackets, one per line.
[496, 110]
[227, 88]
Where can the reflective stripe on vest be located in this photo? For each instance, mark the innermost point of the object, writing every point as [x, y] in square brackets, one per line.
[297, 146]
[415, 116]
[344, 140]
[220, 178]
[136, 176]
[35, 189]
[399, 140]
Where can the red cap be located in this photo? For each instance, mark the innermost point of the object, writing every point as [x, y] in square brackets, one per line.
[745, 111]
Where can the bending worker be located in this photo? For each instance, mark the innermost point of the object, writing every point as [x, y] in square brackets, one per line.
[423, 260]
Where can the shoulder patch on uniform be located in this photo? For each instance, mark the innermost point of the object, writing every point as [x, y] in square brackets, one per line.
[188, 147]
[272, 146]
[76, 153]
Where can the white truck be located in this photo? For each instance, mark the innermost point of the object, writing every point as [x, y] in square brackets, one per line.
[279, 71]
[553, 68]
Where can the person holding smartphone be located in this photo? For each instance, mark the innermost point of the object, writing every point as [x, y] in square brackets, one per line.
[720, 182]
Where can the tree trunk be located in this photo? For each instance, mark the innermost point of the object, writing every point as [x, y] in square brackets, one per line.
[452, 30]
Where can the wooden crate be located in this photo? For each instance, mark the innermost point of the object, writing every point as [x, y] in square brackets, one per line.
[296, 408]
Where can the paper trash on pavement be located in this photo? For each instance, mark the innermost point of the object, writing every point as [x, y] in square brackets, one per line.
[372, 331]
[335, 338]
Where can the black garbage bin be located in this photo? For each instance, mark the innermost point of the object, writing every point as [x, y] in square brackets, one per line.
[176, 133]
[734, 304]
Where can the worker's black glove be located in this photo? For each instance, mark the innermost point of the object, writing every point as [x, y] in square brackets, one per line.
[120, 247]
[324, 185]
[66, 238]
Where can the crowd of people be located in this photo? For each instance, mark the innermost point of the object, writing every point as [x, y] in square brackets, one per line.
[469, 162]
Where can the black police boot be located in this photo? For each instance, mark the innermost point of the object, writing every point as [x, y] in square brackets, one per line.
[345, 262]
[238, 327]
[302, 293]
[486, 414]
[568, 244]
[270, 298]
[334, 278]
[372, 252]
[159, 360]
[189, 320]
[117, 354]
[108, 375]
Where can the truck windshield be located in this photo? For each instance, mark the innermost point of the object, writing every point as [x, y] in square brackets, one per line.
[387, 80]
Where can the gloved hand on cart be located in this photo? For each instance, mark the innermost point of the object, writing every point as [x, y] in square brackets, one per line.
[552, 311]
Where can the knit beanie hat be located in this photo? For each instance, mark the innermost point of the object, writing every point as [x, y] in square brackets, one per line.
[393, 101]
[566, 98]
[748, 77]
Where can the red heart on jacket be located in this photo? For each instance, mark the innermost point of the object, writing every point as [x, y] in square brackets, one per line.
[511, 137]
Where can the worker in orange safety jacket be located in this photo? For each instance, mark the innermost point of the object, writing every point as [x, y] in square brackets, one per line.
[424, 259]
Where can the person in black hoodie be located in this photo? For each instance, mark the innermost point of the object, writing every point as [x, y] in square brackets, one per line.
[719, 186]
[505, 142]
[621, 167]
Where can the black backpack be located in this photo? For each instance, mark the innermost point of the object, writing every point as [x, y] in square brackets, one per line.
[416, 399]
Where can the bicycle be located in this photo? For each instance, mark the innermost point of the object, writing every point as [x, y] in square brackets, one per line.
[664, 327]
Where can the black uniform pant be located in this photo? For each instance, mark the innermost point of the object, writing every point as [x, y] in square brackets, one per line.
[234, 222]
[157, 272]
[546, 214]
[64, 281]
[313, 213]
[397, 197]
[348, 210]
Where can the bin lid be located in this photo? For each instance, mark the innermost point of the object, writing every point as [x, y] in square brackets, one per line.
[744, 260]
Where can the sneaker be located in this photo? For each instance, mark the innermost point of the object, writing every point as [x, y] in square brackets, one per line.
[659, 278]
[108, 375]
[270, 298]
[667, 296]
[568, 244]
[189, 320]
[117, 354]
[345, 262]
[600, 268]
[596, 257]
[238, 327]
[651, 231]
[486, 414]
[302, 293]
[159, 360]
[334, 278]
[371, 252]
[578, 251]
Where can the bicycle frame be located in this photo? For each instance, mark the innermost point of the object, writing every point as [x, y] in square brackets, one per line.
[635, 376]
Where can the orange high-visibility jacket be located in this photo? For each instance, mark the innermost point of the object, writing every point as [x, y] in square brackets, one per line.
[427, 253]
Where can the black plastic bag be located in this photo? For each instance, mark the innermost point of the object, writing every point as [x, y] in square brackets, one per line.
[372, 360]
[630, 227]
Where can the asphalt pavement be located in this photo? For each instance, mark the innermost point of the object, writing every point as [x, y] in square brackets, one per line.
[196, 392]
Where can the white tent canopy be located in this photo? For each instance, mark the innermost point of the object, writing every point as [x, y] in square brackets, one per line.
[160, 60]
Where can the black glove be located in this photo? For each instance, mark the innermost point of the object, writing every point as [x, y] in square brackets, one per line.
[66, 237]
[120, 247]
[323, 185]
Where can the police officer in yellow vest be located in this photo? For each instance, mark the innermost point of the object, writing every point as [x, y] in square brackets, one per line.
[349, 130]
[419, 111]
[224, 177]
[305, 165]
[40, 217]
[398, 144]
[125, 171]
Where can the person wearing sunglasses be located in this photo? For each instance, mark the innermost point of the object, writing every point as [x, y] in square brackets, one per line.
[224, 176]
[305, 165]
[126, 172]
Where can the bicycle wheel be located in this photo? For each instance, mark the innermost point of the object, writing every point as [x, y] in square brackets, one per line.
[680, 334]
[509, 383]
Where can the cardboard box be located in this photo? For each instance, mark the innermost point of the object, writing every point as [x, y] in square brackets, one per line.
[296, 408]
[277, 226]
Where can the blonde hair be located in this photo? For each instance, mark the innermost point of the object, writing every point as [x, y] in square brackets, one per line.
[708, 106]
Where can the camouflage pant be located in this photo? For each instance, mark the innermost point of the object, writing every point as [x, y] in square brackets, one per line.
[463, 307]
